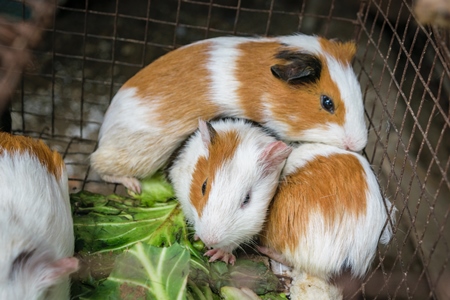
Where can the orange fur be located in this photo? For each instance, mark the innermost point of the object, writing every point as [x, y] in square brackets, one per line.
[19, 144]
[221, 149]
[343, 52]
[299, 106]
[188, 93]
[311, 189]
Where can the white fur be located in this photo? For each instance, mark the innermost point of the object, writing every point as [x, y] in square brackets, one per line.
[308, 43]
[224, 224]
[354, 134]
[223, 55]
[269, 121]
[128, 125]
[307, 287]
[34, 214]
[351, 242]
[125, 106]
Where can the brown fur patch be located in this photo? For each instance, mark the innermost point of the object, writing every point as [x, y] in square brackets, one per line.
[178, 83]
[19, 144]
[343, 52]
[222, 149]
[332, 186]
[297, 105]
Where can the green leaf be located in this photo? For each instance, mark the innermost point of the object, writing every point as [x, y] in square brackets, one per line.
[154, 189]
[147, 272]
[114, 223]
[233, 293]
[274, 296]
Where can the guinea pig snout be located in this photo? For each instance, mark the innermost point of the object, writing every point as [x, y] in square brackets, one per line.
[211, 238]
[352, 144]
[210, 241]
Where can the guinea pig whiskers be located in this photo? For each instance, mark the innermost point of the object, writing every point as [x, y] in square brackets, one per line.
[327, 196]
[252, 245]
[191, 234]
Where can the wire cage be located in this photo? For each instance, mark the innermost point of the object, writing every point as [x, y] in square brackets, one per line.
[88, 49]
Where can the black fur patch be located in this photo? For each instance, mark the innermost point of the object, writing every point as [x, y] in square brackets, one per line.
[301, 68]
[20, 261]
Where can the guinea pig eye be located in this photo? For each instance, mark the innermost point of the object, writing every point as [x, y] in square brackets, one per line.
[327, 103]
[204, 187]
[246, 200]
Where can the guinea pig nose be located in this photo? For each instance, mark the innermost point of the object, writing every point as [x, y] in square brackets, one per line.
[349, 145]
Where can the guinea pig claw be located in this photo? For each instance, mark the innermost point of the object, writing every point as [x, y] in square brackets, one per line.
[224, 256]
[130, 183]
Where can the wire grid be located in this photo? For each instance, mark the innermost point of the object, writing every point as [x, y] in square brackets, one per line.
[93, 47]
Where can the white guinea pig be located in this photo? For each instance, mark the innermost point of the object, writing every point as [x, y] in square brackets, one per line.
[36, 236]
[328, 213]
[301, 87]
[225, 177]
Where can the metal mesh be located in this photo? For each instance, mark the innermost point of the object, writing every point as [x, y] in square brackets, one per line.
[92, 47]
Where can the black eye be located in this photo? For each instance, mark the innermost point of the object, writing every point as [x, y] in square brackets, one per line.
[327, 104]
[246, 200]
[204, 187]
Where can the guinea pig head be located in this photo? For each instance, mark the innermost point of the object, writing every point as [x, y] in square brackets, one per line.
[318, 95]
[233, 185]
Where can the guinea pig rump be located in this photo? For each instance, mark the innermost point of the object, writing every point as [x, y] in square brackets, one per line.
[37, 229]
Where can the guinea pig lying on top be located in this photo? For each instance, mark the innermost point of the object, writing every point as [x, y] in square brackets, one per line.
[328, 213]
[36, 227]
[301, 87]
[224, 178]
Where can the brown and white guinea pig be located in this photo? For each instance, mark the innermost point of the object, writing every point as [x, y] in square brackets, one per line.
[36, 236]
[301, 87]
[224, 178]
[328, 213]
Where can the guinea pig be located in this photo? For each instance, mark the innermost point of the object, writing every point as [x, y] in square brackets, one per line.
[36, 236]
[301, 87]
[328, 213]
[224, 178]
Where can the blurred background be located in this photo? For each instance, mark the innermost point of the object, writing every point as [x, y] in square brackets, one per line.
[75, 54]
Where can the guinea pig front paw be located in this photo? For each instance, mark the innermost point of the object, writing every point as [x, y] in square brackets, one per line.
[130, 183]
[274, 255]
[224, 256]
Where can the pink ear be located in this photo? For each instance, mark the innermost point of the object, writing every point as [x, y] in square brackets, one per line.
[207, 132]
[273, 155]
[58, 269]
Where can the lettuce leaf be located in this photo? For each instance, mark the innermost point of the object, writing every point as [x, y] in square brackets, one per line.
[147, 272]
[154, 189]
[113, 223]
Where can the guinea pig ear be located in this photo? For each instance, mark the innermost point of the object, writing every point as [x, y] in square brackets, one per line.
[273, 155]
[350, 50]
[301, 69]
[207, 132]
[58, 269]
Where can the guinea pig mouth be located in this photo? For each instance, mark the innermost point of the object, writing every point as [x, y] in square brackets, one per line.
[214, 243]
